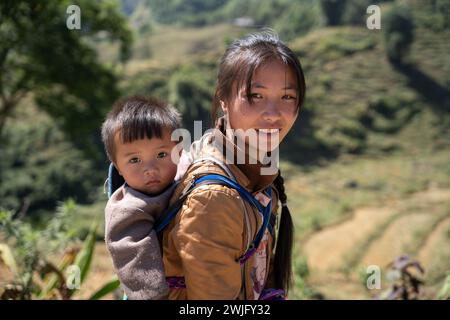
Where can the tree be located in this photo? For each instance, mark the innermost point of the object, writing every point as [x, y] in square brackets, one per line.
[298, 18]
[333, 11]
[398, 33]
[39, 167]
[40, 55]
[190, 91]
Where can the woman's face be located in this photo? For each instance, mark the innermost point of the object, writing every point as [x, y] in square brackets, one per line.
[274, 108]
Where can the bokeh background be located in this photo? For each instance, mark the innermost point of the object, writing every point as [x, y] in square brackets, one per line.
[367, 166]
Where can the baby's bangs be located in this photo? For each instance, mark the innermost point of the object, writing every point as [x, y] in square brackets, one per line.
[141, 125]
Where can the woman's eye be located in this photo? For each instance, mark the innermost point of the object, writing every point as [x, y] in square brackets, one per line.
[289, 97]
[256, 96]
[135, 160]
[162, 155]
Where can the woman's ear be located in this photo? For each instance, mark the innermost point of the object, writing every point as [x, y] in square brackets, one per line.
[223, 106]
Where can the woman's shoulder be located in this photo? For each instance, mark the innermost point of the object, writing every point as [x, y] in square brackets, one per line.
[200, 169]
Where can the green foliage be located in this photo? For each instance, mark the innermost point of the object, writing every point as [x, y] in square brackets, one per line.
[356, 12]
[31, 245]
[333, 11]
[434, 15]
[6, 255]
[141, 19]
[297, 18]
[342, 44]
[301, 289]
[39, 54]
[290, 18]
[190, 91]
[444, 293]
[39, 167]
[390, 113]
[29, 257]
[84, 257]
[301, 267]
[398, 33]
[182, 11]
[106, 289]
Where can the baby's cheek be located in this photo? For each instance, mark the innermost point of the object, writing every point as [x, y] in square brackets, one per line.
[171, 169]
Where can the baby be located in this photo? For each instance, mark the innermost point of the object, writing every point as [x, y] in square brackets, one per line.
[137, 137]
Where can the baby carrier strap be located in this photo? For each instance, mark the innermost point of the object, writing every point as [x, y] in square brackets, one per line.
[114, 181]
[218, 179]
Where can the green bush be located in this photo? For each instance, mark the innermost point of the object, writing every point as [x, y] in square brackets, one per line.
[191, 92]
[434, 15]
[297, 19]
[39, 167]
[389, 114]
[356, 12]
[26, 254]
[398, 29]
[333, 11]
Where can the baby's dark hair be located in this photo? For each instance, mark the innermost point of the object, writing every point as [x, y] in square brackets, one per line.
[136, 118]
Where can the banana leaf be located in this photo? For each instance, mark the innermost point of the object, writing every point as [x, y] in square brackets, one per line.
[444, 293]
[106, 289]
[54, 279]
[84, 257]
[7, 257]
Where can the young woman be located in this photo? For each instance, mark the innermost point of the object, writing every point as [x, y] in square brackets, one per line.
[209, 250]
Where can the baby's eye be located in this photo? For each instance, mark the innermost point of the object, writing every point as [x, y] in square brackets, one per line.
[161, 155]
[289, 97]
[134, 160]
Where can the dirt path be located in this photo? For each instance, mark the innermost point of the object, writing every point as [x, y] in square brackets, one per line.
[395, 239]
[337, 286]
[326, 249]
[429, 252]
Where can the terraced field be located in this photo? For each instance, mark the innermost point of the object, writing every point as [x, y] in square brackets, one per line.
[417, 225]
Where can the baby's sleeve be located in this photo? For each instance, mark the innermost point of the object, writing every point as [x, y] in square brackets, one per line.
[134, 248]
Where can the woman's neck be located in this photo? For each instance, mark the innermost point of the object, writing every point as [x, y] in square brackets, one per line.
[253, 173]
[252, 168]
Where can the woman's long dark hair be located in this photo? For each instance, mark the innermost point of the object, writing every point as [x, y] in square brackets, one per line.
[282, 267]
[237, 66]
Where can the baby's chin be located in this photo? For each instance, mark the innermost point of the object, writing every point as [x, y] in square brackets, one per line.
[154, 190]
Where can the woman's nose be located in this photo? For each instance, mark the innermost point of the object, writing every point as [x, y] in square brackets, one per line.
[271, 112]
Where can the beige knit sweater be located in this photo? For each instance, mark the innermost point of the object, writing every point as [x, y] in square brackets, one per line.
[133, 244]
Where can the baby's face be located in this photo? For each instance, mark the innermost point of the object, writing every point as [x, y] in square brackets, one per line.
[146, 164]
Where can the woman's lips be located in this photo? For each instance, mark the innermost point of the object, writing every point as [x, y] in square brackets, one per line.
[269, 130]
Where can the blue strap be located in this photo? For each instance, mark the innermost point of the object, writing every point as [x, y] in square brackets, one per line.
[115, 180]
[247, 196]
[266, 218]
[110, 185]
[162, 223]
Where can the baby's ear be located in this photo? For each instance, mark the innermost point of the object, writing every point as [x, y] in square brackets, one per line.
[117, 168]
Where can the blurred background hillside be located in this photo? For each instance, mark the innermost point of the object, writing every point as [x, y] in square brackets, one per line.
[367, 166]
